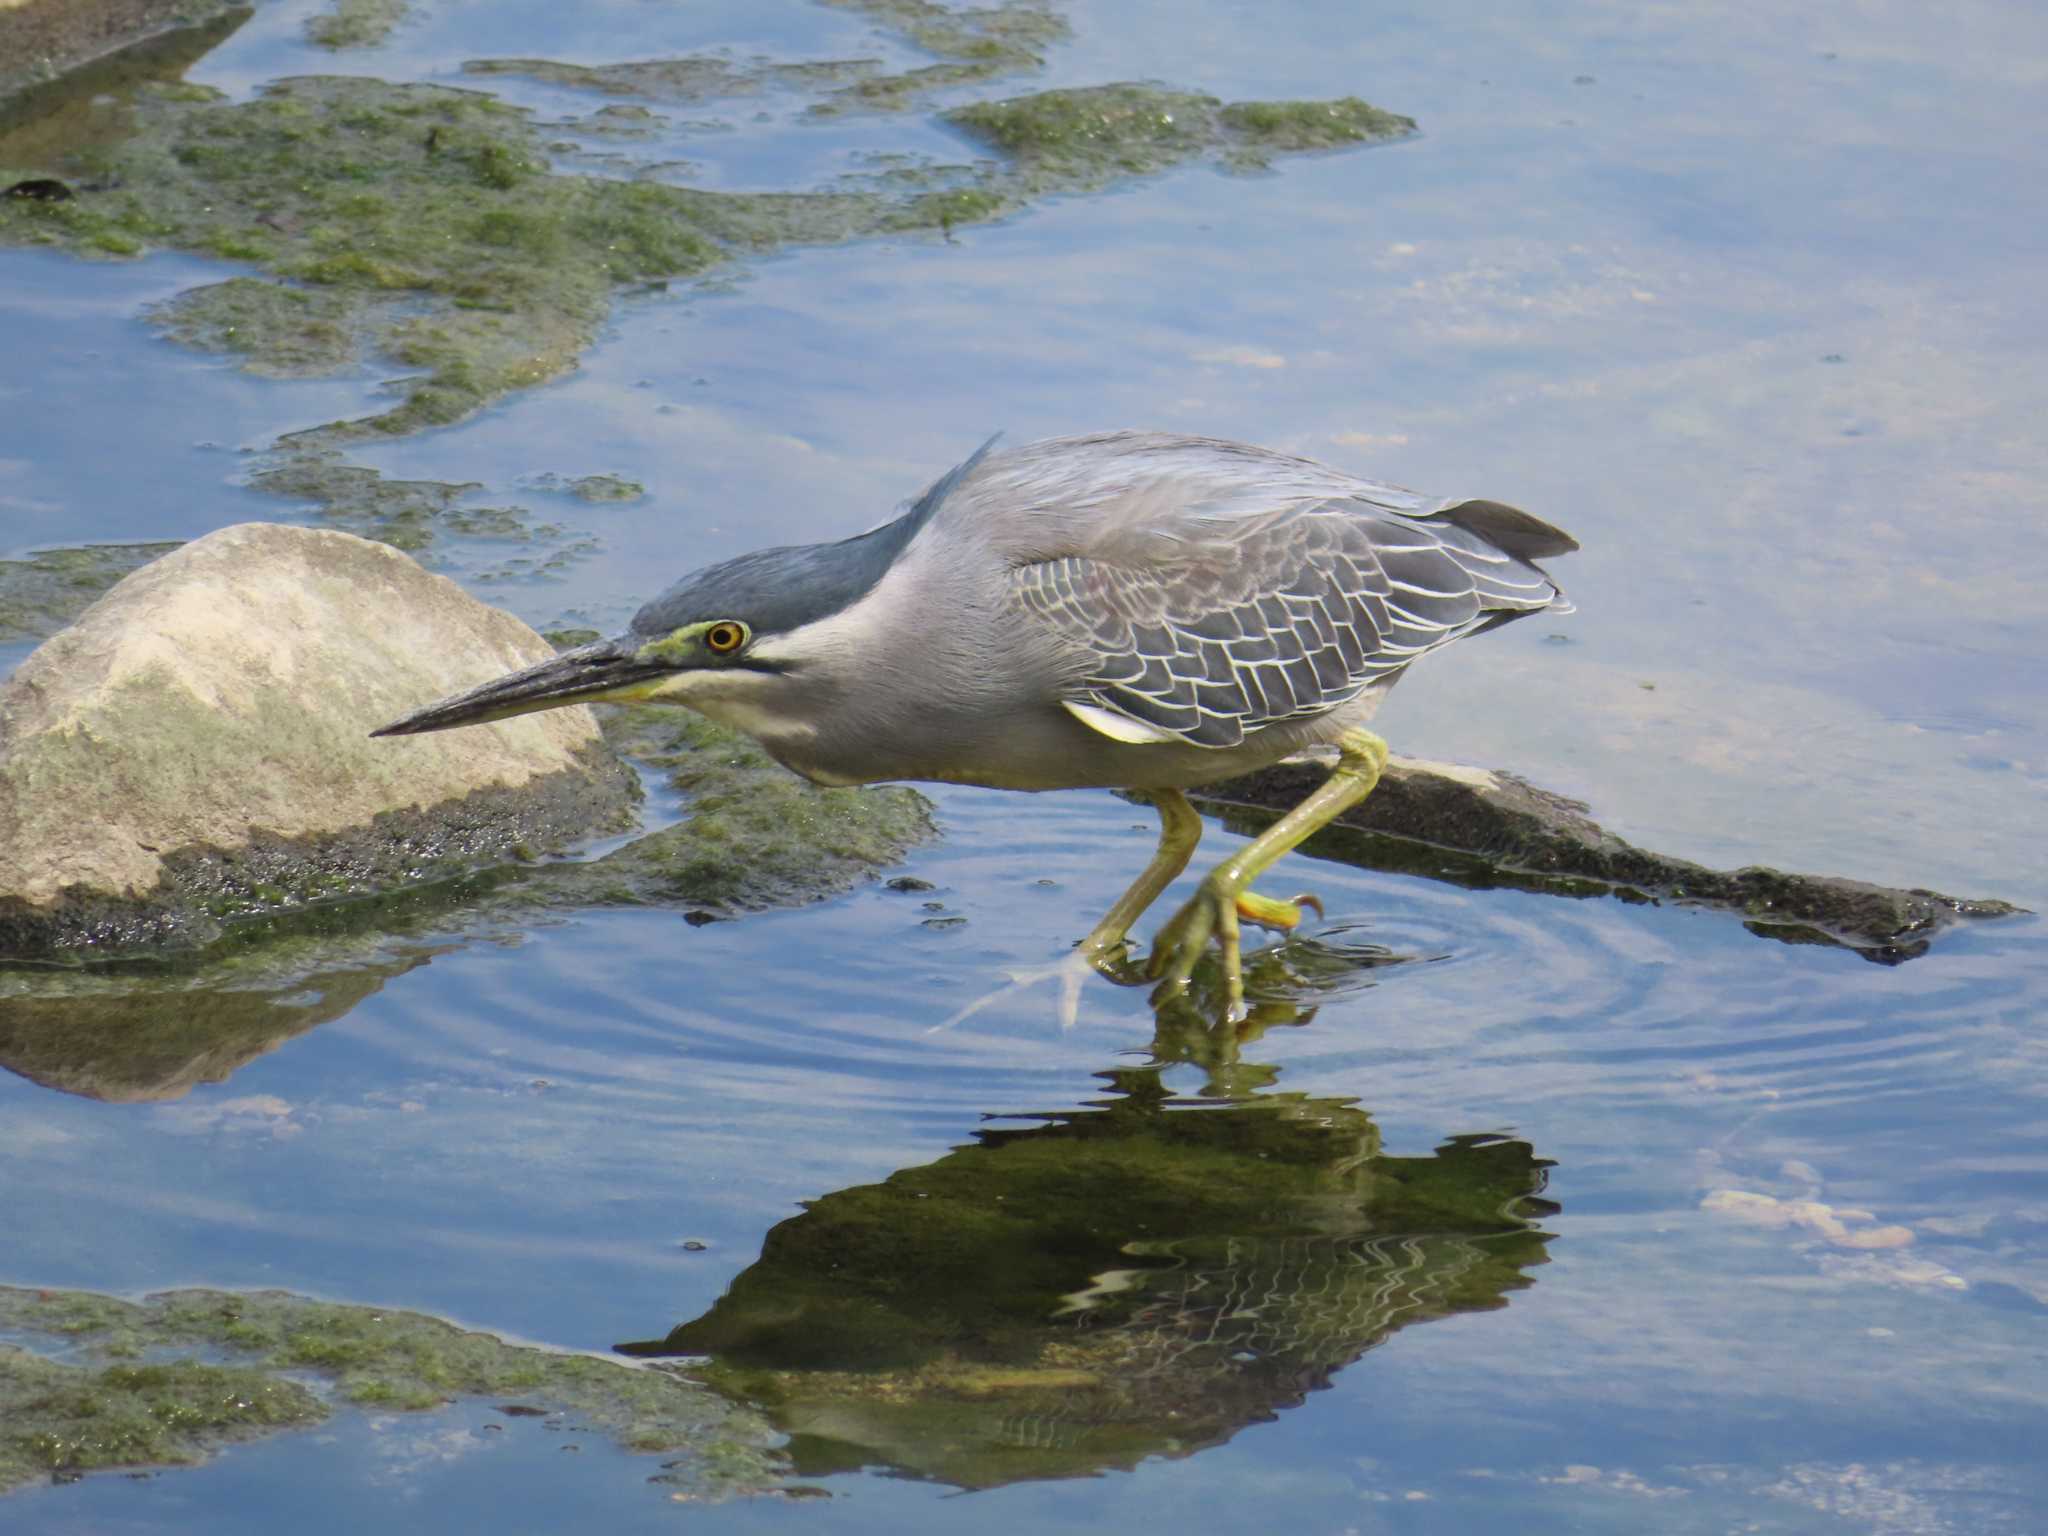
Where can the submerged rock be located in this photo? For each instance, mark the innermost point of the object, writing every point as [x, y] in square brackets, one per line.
[121, 1387]
[42, 592]
[195, 748]
[356, 23]
[428, 226]
[1482, 829]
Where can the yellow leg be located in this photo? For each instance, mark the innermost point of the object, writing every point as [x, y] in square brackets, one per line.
[1180, 828]
[1212, 912]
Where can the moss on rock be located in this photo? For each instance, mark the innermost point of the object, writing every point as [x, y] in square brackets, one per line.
[42, 592]
[973, 46]
[63, 1421]
[756, 835]
[356, 23]
[370, 190]
[690, 78]
[280, 331]
[426, 224]
[1081, 139]
[599, 487]
[1015, 30]
[114, 1400]
[1288, 127]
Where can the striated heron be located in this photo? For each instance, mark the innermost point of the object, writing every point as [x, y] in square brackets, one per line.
[1132, 610]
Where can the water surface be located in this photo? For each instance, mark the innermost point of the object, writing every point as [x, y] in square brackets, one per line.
[1747, 302]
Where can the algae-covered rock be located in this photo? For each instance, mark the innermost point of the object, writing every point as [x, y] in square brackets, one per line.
[1083, 137]
[63, 1421]
[754, 837]
[129, 1392]
[1483, 829]
[1142, 1278]
[42, 592]
[422, 517]
[692, 78]
[973, 45]
[757, 835]
[281, 332]
[375, 192]
[433, 227]
[195, 748]
[356, 23]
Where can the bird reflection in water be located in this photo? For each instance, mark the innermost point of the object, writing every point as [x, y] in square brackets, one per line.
[1143, 1276]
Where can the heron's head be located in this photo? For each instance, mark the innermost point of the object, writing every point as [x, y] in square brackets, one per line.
[737, 640]
[733, 640]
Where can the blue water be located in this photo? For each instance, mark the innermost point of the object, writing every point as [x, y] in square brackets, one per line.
[1799, 1277]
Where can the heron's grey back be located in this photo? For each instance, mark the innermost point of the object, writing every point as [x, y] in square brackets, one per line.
[1210, 590]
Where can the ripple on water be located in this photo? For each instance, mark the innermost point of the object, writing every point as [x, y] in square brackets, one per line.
[1474, 1008]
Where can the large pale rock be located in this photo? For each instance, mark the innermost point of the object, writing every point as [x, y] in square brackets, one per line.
[195, 748]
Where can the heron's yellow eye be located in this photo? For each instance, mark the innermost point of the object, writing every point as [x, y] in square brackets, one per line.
[725, 637]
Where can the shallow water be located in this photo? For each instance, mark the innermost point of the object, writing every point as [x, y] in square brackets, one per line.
[1745, 301]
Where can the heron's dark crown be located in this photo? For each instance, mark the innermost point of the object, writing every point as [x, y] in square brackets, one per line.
[775, 591]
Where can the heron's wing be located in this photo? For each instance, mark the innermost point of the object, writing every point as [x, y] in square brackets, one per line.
[1279, 616]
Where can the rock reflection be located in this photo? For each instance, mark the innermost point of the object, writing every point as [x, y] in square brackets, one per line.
[1144, 1276]
[161, 1042]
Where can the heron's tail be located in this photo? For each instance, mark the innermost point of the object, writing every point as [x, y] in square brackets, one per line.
[1500, 531]
[1509, 529]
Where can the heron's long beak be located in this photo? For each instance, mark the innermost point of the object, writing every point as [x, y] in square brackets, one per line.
[604, 669]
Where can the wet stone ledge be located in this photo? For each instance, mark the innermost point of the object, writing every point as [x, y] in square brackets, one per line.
[1483, 829]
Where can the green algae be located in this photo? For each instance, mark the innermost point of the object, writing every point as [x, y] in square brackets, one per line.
[1273, 127]
[1018, 31]
[356, 23]
[373, 191]
[280, 331]
[598, 488]
[112, 1400]
[1143, 1277]
[406, 514]
[42, 592]
[1081, 139]
[606, 488]
[426, 225]
[691, 78]
[756, 836]
[63, 1421]
[616, 122]
[1129, 128]
[974, 45]
[422, 517]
